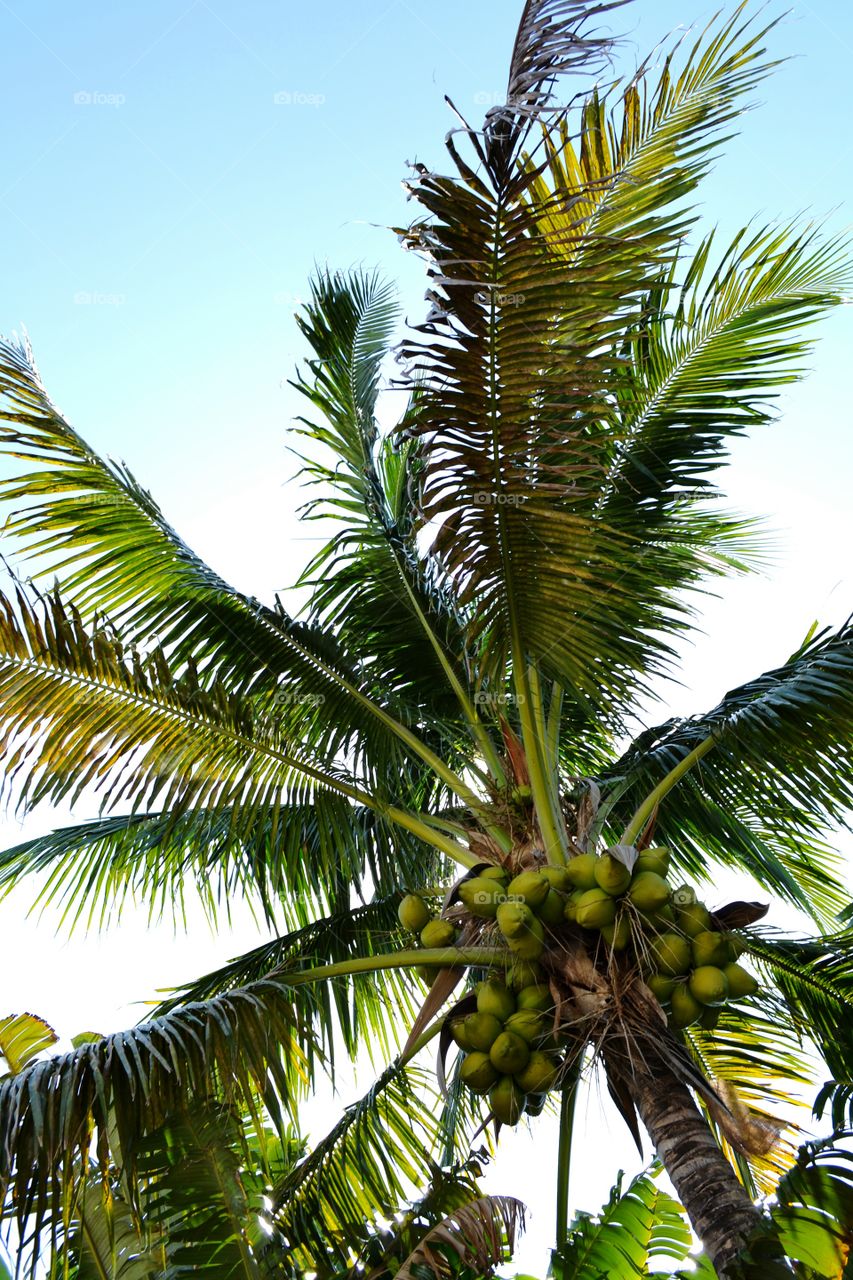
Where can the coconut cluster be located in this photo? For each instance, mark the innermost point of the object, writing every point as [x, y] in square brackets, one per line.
[690, 967]
[509, 1049]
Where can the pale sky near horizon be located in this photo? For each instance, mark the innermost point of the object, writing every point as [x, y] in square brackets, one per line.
[173, 171]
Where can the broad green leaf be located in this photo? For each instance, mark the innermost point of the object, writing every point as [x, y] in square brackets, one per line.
[22, 1037]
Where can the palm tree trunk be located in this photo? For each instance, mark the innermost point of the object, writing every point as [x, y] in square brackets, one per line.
[722, 1214]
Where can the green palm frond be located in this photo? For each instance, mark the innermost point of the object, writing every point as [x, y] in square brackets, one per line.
[367, 1165]
[758, 1063]
[366, 1013]
[780, 774]
[838, 1096]
[637, 1226]
[115, 1090]
[297, 860]
[196, 1198]
[369, 578]
[78, 713]
[815, 979]
[88, 525]
[104, 1241]
[638, 159]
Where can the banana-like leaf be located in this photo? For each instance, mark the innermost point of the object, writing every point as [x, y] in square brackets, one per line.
[813, 1210]
[477, 1237]
[780, 775]
[637, 1226]
[240, 1046]
[23, 1037]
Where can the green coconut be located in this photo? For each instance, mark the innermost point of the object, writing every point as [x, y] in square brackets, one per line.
[507, 1101]
[649, 892]
[736, 945]
[482, 895]
[526, 1023]
[617, 935]
[438, 933]
[694, 918]
[550, 912]
[530, 944]
[495, 997]
[710, 948]
[537, 997]
[534, 1103]
[460, 1035]
[514, 918]
[478, 1073]
[482, 1030]
[612, 875]
[581, 870]
[530, 887]
[708, 985]
[494, 873]
[685, 1008]
[426, 973]
[522, 794]
[656, 860]
[413, 913]
[671, 954]
[509, 1053]
[539, 1075]
[525, 973]
[595, 908]
[570, 910]
[661, 986]
[557, 877]
[740, 980]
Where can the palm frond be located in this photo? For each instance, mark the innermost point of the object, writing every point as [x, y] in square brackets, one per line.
[297, 860]
[756, 1061]
[365, 1013]
[78, 712]
[369, 578]
[117, 1089]
[477, 1237]
[520, 421]
[104, 1241]
[196, 1199]
[89, 525]
[815, 979]
[366, 1166]
[637, 1226]
[780, 775]
[838, 1096]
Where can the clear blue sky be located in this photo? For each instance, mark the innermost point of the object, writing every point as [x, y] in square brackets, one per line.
[160, 214]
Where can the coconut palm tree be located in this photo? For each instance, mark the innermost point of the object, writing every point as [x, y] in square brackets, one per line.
[509, 573]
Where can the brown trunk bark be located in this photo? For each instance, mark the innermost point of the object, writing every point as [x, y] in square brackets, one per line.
[722, 1214]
